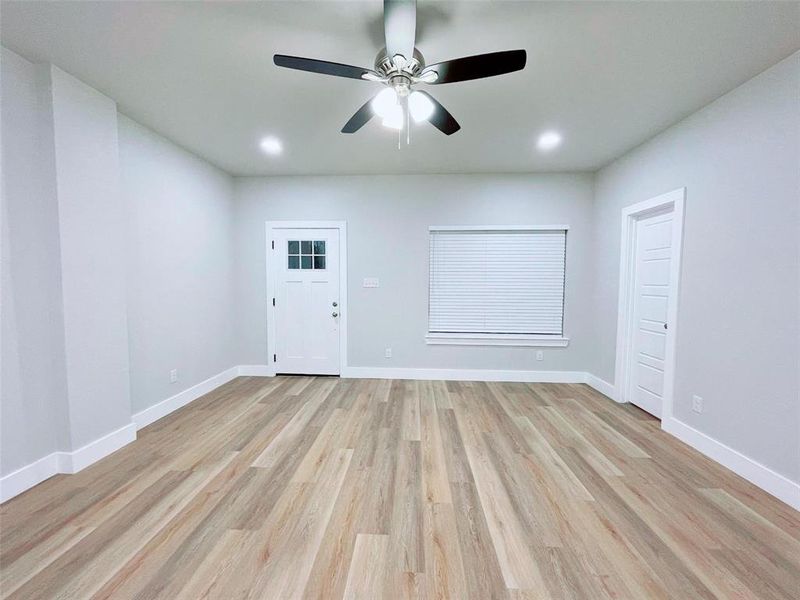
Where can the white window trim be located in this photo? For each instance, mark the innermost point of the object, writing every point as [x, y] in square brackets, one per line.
[498, 339]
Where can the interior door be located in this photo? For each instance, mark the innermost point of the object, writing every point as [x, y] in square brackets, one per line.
[306, 304]
[653, 252]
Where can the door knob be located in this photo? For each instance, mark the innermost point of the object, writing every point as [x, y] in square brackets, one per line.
[335, 304]
[335, 314]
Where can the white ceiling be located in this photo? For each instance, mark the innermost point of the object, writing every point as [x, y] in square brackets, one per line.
[608, 75]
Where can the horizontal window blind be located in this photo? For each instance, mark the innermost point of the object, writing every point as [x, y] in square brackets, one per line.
[495, 282]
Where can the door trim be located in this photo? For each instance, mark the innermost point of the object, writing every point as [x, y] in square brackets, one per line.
[673, 201]
[271, 226]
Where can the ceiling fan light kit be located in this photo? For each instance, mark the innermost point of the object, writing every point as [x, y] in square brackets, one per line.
[400, 66]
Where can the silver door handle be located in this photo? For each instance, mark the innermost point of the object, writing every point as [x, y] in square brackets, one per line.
[335, 314]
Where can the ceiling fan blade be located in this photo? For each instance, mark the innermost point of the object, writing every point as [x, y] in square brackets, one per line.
[441, 119]
[477, 67]
[320, 66]
[400, 27]
[360, 118]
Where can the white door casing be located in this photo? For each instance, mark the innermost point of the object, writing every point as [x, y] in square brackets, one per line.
[649, 276]
[305, 311]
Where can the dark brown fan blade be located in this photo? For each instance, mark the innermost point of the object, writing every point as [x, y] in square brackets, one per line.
[478, 67]
[400, 27]
[320, 66]
[441, 119]
[360, 118]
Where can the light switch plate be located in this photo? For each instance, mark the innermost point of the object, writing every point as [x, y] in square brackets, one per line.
[371, 282]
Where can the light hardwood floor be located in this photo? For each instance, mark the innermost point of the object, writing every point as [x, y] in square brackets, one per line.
[327, 488]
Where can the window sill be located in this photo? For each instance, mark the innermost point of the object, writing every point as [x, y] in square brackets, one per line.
[487, 339]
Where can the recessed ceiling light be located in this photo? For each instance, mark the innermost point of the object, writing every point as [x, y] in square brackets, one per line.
[271, 145]
[548, 141]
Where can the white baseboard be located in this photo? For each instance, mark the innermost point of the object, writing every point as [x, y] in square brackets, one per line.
[65, 462]
[601, 386]
[28, 476]
[255, 371]
[181, 399]
[77, 460]
[768, 480]
[465, 374]
[71, 462]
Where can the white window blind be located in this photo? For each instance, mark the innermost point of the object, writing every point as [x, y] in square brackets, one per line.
[497, 281]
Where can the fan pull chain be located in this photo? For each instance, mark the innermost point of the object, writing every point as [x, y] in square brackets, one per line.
[402, 124]
[407, 121]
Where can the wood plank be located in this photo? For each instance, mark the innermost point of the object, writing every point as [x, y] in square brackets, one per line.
[435, 484]
[444, 564]
[287, 571]
[366, 578]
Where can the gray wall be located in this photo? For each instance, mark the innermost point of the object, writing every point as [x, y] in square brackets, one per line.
[387, 225]
[33, 391]
[117, 265]
[179, 265]
[195, 265]
[92, 237]
[738, 322]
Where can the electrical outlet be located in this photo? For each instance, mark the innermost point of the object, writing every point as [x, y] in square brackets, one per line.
[697, 404]
[173, 376]
[539, 355]
[388, 353]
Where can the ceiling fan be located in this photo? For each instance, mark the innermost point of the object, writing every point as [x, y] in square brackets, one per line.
[400, 66]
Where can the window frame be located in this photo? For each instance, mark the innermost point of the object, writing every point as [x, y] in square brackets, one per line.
[499, 339]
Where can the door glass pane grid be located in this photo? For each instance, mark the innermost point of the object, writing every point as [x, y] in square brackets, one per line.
[319, 254]
[306, 254]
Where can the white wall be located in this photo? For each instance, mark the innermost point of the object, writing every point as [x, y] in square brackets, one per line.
[33, 408]
[387, 226]
[738, 340]
[179, 265]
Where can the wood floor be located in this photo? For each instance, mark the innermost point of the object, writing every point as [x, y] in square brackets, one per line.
[327, 488]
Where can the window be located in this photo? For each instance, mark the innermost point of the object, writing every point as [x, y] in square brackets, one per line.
[497, 286]
[306, 254]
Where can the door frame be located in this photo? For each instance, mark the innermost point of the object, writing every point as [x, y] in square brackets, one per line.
[271, 226]
[673, 201]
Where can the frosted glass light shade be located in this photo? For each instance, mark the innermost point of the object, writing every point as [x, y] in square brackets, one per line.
[420, 106]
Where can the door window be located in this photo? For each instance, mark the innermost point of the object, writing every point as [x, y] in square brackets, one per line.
[306, 254]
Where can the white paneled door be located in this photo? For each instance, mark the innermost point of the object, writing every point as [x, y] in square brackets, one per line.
[651, 300]
[307, 311]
